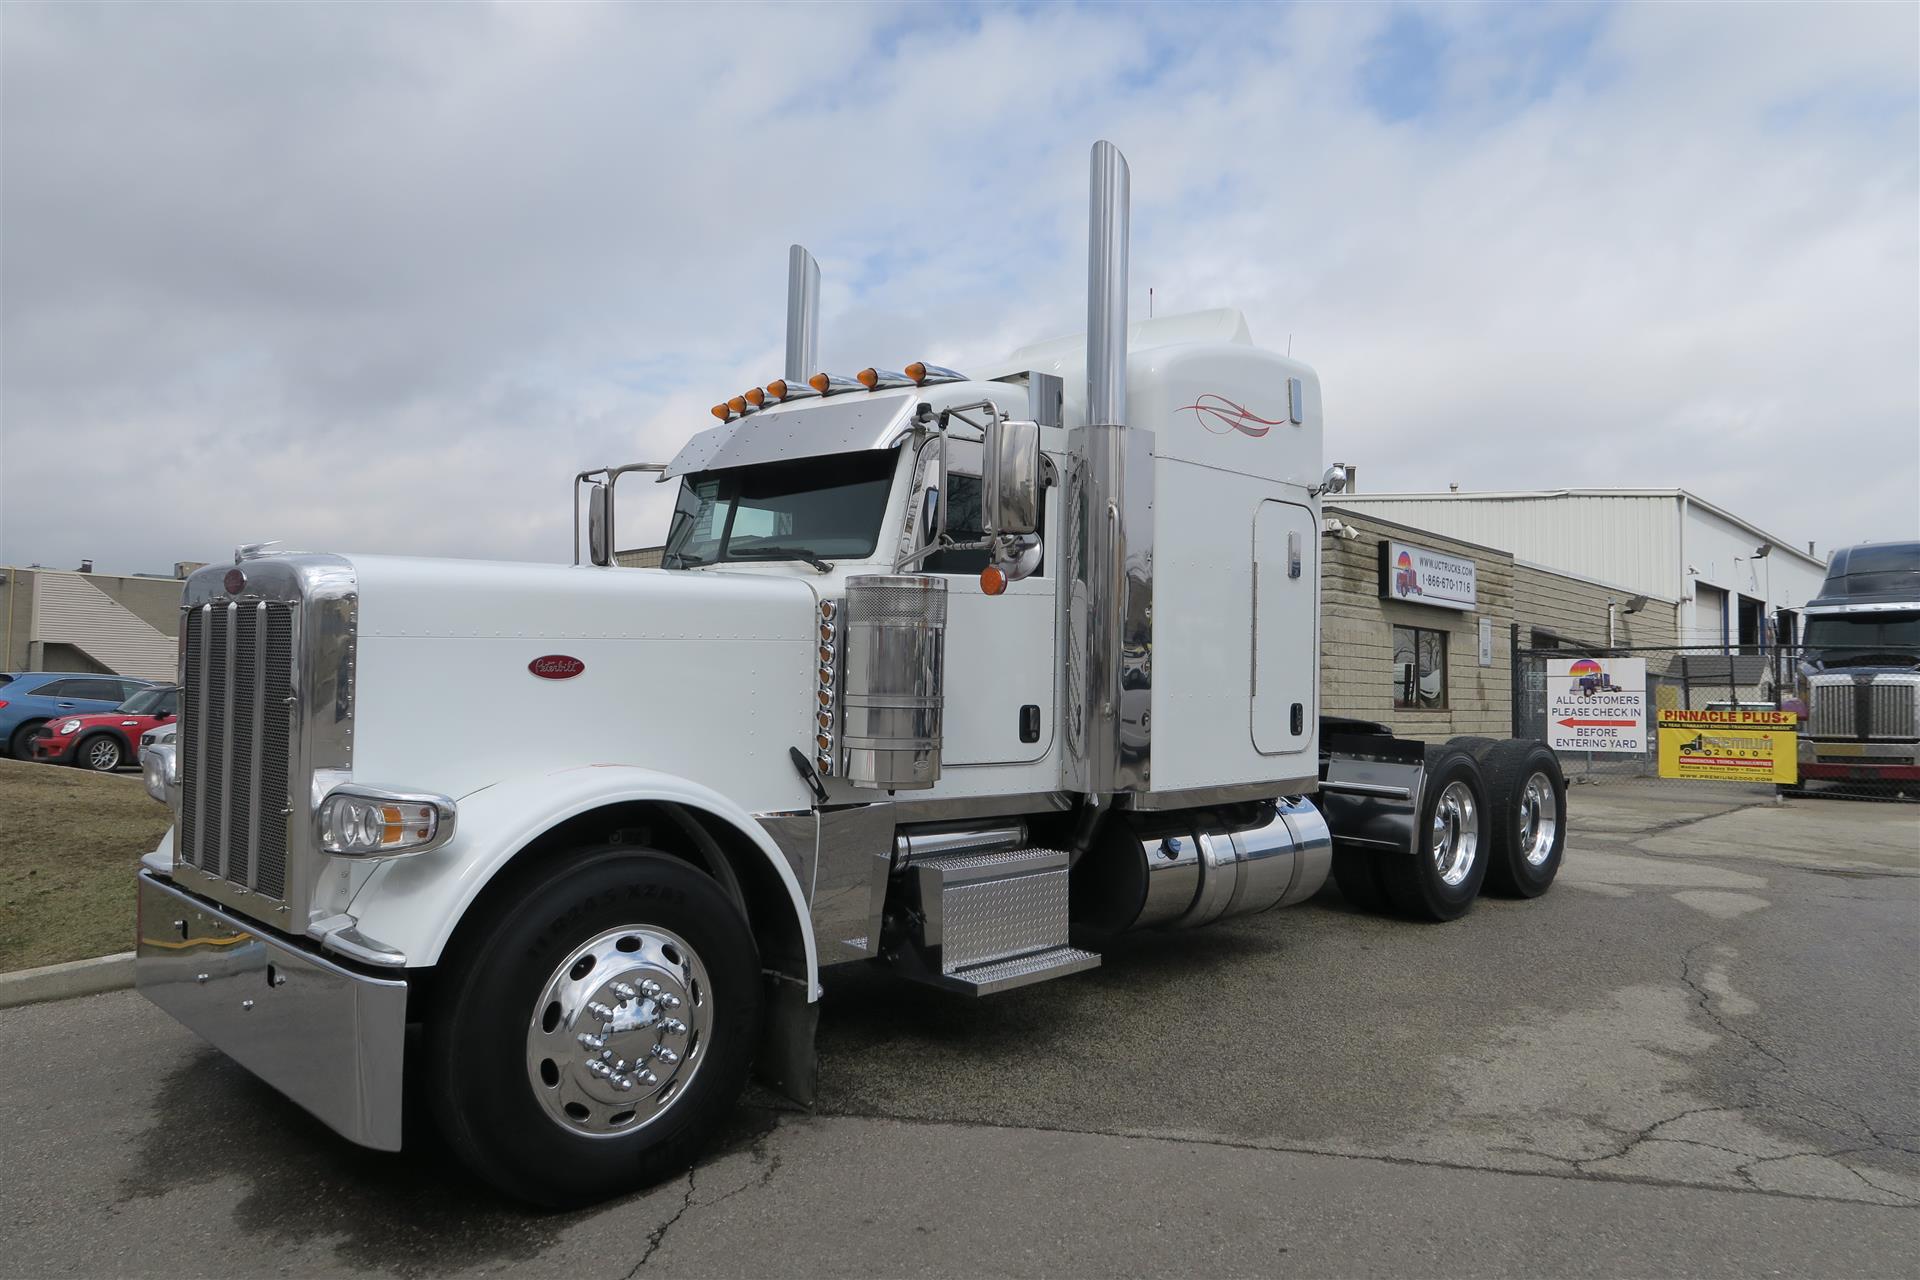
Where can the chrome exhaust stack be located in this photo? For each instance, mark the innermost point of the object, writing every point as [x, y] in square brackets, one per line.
[803, 315]
[1109, 735]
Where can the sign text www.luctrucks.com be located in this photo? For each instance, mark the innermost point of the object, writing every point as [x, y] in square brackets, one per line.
[1597, 704]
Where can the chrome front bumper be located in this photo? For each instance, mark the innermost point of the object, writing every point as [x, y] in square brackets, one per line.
[1833, 751]
[331, 1039]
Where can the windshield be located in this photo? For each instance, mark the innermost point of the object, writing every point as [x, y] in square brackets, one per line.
[808, 509]
[1842, 636]
[148, 702]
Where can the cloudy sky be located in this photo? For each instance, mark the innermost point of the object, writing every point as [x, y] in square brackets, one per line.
[373, 277]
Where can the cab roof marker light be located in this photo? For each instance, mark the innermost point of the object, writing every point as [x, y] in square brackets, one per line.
[756, 396]
[721, 412]
[924, 374]
[782, 390]
[832, 384]
[740, 406]
[883, 379]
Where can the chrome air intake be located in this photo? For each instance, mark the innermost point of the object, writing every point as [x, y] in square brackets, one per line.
[894, 631]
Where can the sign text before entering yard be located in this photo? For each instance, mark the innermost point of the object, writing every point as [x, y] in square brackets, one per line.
[1730, 746]
[1417, 575]
[1597, 704]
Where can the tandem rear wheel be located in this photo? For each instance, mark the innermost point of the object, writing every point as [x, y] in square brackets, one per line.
[598, 1029]
[1492, 817]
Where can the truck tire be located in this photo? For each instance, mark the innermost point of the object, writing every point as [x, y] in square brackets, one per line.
[595, 1028]
[1449, 862]
[1527, 817]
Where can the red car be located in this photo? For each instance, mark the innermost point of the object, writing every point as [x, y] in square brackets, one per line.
[104, 741]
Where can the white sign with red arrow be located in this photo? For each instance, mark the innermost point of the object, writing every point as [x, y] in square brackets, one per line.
[1597, 704]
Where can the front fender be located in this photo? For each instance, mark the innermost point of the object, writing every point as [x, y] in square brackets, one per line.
[414, 904]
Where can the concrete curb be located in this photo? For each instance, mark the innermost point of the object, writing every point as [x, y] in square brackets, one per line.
[64, 981]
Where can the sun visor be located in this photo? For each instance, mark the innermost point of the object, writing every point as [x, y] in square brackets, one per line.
[808, 429]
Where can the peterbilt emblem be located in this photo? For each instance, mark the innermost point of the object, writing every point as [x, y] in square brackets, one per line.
[1221, 415]
[235, 582]
[556, 666]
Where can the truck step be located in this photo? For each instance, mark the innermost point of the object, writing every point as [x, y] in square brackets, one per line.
[981, 906]
[1004, 975]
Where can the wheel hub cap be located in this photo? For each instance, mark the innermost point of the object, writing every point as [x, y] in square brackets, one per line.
[619, 1031]
[1539, 819]
[1456, 833]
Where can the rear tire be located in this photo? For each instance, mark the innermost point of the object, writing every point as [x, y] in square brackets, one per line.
[1527, 812]
[1442, 878]
[545, 1059]
[20, 746]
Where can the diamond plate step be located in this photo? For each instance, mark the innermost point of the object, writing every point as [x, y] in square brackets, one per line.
[979, 907]
[1004, 975]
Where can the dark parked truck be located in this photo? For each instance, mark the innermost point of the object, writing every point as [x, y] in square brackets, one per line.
[1860, 673]
[958, 676]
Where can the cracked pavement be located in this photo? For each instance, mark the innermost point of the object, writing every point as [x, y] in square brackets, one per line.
[1697, 1055]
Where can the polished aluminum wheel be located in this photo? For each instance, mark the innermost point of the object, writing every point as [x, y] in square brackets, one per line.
[619, 1031]
[1456, 833]
[103, 754]
[1539, 819]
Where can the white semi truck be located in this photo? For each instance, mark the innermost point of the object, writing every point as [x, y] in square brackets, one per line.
[961, 676]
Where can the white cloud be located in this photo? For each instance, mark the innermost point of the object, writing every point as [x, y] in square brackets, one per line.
[384, 278]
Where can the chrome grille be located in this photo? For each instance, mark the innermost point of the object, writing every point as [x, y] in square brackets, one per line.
[1890, 704]
[236, 716]
[1891, 710]
[1833, 708]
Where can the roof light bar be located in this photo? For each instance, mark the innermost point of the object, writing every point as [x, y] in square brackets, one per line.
[832, 384]
[924, 374]
[782, 390]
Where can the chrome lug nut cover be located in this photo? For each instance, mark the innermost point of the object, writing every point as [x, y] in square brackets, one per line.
[599, 1018]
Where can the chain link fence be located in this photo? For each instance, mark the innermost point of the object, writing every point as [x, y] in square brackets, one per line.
[1709, 718]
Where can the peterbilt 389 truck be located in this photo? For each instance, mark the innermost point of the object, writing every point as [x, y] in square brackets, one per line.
[961, 676]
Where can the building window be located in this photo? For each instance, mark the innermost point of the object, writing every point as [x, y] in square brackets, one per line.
[1419, 669]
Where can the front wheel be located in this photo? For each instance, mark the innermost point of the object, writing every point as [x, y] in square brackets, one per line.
[100, 753]
[597, 1027]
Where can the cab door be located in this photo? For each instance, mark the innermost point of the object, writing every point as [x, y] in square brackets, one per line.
[1000, 650]
[1286, 628]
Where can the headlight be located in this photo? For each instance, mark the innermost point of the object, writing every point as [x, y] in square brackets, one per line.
[69, 726]
[160, 767]
[368, 822]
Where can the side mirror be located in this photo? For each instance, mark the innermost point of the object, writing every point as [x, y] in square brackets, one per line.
[1010, 488]
[1334, 481]
[600, 525]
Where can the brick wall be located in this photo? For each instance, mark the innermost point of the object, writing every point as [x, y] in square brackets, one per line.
[1576, 609]
[1356, 640]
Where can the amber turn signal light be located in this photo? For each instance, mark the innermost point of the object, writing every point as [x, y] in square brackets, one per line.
[993, 580]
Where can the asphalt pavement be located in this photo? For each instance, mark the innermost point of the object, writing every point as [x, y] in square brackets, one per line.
[1696, 1056]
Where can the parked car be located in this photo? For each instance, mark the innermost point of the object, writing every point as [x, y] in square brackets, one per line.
[105, 742]
[28, 699]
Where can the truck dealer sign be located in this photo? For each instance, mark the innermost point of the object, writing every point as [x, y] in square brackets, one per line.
[1730, 746]
[1417, 575]
[1597, 704]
